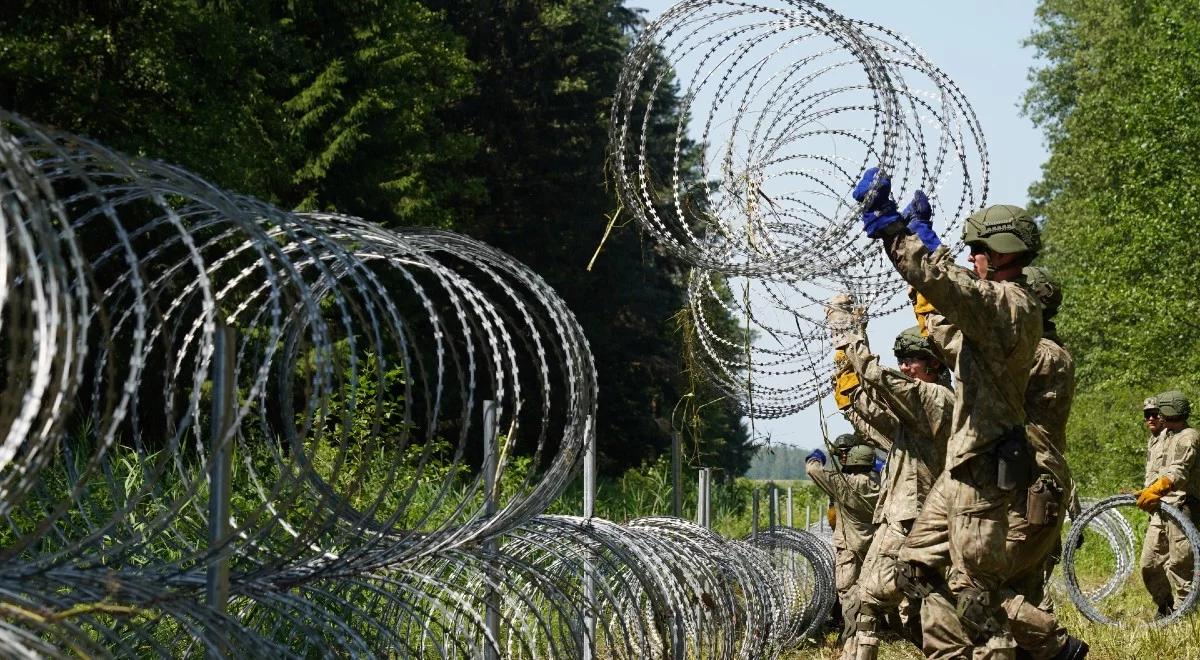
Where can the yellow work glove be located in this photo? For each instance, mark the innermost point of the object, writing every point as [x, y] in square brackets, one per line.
[831, 516]
[844, 380]
[922, 309]
[1148, 497]
[843, 386]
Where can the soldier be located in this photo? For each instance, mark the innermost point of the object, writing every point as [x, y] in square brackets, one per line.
[1172, 476]
[855, 491]
[921, 406]
[991, 325]
[1035, 525]
[1035, 521]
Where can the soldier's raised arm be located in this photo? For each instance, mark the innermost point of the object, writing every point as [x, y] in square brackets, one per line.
[979, 306]
[924, 409]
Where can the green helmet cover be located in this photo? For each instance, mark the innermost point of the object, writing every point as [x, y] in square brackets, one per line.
[1045, 287]
[1173, 403]
[861, 455]
[1150, 404]
[847, 440]
[911, 343]
[1003, 229]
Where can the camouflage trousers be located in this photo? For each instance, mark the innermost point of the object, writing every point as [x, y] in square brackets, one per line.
[878, 593]
[846, 570]
[978, 537]
[1166, 562]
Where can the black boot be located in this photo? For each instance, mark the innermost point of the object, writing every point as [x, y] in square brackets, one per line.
[1075, 649]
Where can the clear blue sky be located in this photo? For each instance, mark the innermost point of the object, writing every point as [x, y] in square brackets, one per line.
[978, 44]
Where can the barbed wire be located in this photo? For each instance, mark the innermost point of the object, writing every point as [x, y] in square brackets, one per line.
[1087, 602]
[793, 101]
[362, 519]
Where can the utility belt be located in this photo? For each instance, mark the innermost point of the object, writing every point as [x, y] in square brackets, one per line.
[1016, 470]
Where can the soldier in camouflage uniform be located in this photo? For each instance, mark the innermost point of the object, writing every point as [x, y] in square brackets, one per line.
[1034, 521]
[1035, 525]
[919, 407]
[854, 490]
[1173, 477]
[991, 325]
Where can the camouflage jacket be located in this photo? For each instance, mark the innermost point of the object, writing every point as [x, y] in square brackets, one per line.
[871, 420]
[1051, 390]
[923, 414]
[1173, 454]
[988, 333]
[1048, 400]
[855, 495]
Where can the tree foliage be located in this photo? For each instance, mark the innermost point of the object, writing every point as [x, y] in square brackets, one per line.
[546, 71]
[778, 462]
[1115, 97]
[482, 118]
[308, 104]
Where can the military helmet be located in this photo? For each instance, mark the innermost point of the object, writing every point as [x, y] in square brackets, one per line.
[1004, 229]
[1045, 287]
[1173, 403]
[846, 441]
[911, 343]
[1150, 404]
[859, 456]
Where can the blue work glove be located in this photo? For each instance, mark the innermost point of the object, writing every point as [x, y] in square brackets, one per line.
[881, 212]
[878, 224]
[879, 465]
[816, 455]
[918, 214]
[883, 193]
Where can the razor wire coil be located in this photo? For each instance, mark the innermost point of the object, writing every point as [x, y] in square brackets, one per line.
[794, 101]
[1086, 602]
[359, 523]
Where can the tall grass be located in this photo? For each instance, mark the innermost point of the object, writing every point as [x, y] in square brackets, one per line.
[646, 491]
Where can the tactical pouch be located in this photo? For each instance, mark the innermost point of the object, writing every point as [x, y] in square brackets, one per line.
[980, 614]
[1014, 462]
[1041, 503]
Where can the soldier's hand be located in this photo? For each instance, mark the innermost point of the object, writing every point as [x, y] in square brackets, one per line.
[844, 319]
[874, 192]
[918, 214]
[882, 183]
[816, 455]
[1148, 498]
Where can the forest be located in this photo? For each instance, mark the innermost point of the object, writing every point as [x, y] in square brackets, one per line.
[1113, 98]
[491, 120]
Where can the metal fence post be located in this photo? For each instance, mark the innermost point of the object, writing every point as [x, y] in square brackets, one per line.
[490, 649]
[789, 507]
[773, 508]
[224, 403]
[754, 513]
[703, 510]
[676, 475]
[589, 509]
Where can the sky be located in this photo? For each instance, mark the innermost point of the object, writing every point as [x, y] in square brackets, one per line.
[978, 44]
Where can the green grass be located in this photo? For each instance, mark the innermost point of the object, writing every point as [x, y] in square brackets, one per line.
[1131, 604]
